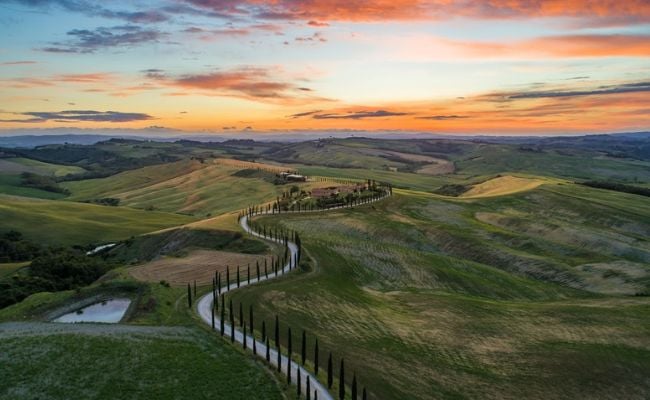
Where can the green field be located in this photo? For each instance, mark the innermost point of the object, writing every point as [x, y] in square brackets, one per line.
[57, 361]
[427, 297]
[189, 187]
[70, 223]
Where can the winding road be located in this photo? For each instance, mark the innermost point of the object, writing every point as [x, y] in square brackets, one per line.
[204, 309]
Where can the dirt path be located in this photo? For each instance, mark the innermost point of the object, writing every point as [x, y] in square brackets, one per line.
[204, 308]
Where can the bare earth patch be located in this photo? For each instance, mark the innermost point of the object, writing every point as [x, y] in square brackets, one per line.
[198, 265]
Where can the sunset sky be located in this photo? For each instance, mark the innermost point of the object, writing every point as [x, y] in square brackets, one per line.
[479, 67]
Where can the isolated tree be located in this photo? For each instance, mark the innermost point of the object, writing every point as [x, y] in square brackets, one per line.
[354, 386]
[330, 372]
[237, 276]
[303, 348]
[342, 381]
[189, 296]
[248, 274]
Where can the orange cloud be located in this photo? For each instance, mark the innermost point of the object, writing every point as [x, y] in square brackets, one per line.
[629, 11]
[252, 83]
[566, 46]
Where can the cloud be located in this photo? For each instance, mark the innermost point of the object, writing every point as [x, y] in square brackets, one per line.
[304, 114]
[428, 48]
[79, 116]
[629, 11]
[18, 62]
[634, 87]
[316, 37]
[317, 24]
[95, 9]
[253, 83]
[443, 117]
[359, 115]
[88, 41]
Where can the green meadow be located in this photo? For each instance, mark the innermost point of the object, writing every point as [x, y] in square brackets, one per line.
[430, 297]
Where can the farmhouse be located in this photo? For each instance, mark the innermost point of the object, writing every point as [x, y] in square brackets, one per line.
[291, 177]
[335, 190]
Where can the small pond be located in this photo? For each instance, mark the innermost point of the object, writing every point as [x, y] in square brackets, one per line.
[108, 311]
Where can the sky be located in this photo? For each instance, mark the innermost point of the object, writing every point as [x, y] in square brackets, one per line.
[505, 67]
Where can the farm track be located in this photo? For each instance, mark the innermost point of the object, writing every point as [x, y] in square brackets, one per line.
[204, 308]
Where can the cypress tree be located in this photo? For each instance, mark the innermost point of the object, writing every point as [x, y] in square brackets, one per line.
[354, 387]
[232, 329]
[241, 315]
[303, 349]
[289, 369]
[268, 350]
[212, 314]
[237, 276]
[231, 315]
[330, 373]
[308, 388]
[189, 296]
[277, 331]
[299, 389]
[257, 270]
[223, 317]
[227, 278]
[263, 330]
[364, 395]
[248, 274]
[289, 347]
[266, 271]
[279, 356]
[342, 381]
[316, 357]
[244, 337]
[250, 319]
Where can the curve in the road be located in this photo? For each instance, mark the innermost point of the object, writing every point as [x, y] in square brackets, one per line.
[204, 307]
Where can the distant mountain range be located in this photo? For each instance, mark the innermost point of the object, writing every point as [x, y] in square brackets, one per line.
[31, 138]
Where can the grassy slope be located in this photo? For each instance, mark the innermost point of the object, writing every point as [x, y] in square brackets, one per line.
[68, 223]
[105, 362]
[11, 185]
[44, 168]
[406, 294]
[185, 186]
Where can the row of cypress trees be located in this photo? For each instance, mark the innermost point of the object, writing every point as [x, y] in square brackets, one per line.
[283, 237]
[248, 327]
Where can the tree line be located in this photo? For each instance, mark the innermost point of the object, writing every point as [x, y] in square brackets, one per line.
[247, 324]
